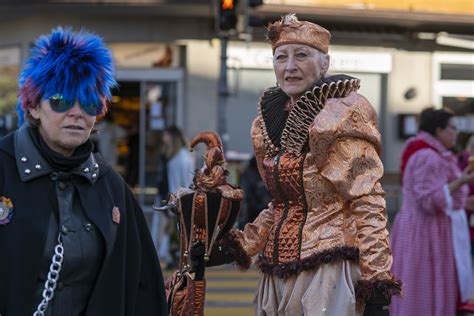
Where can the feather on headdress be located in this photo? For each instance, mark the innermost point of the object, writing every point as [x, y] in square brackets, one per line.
[76, 65]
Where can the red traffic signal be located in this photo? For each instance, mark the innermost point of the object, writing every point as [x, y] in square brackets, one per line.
[227, 14]
[227, 4]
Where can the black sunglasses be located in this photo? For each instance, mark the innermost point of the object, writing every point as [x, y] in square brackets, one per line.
[59, 105]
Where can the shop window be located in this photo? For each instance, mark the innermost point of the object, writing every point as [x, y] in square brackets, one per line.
[145, 55]
[457, 72]
[459, 105]
[453, 83]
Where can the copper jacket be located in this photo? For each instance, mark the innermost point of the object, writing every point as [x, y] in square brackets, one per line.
[328, 203]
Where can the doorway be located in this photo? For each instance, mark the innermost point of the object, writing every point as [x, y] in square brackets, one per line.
[145, 102]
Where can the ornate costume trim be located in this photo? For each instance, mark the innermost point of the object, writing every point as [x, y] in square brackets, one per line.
[276, 240]
[366, 290]
[273, 115]
[232, 246]
[296, 128]
[305, 207]
[313, 262]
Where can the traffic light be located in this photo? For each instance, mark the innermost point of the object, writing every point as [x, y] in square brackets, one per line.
[253, 20]
[227, 14]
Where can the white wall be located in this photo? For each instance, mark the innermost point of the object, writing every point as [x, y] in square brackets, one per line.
[410, 70]
[202, 73]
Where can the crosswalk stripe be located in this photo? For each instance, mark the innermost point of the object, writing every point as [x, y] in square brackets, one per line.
[229, 311]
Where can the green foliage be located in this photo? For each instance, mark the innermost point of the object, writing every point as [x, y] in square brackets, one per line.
[8, 89]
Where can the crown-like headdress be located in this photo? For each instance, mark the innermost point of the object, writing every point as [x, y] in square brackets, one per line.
[290, 30]
[76, 65]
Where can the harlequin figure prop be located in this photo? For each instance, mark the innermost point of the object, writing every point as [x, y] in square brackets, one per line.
[206, 211]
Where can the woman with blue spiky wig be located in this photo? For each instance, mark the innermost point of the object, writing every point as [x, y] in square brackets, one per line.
[73, 239]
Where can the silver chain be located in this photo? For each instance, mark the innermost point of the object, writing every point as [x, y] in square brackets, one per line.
[53, 276]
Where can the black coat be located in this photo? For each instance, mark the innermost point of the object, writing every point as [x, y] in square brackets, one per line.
[130, 281]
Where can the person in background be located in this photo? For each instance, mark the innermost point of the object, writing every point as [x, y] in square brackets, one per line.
[133, 142]
[107, 138]
[464, 162]
[73, 238]
[256, 195]
[430, 241]
[177, 171]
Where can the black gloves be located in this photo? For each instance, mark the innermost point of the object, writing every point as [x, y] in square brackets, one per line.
[377, 306]
[197, 261]
[219, 257]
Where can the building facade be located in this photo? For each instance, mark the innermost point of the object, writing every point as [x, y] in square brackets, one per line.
[168, 59]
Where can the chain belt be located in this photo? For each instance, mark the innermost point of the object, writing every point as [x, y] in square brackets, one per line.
[53, 276]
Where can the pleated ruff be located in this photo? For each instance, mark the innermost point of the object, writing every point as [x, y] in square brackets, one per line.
[328, 291]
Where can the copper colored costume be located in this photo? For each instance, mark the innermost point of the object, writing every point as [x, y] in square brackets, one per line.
[321, 164]
[324, 232]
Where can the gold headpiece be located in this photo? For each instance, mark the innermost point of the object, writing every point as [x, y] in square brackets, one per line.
[290, 30]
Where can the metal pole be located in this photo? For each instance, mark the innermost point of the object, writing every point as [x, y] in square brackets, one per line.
[223, 94]
[141, 146]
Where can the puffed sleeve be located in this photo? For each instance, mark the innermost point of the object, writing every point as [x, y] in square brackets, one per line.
[254, 235]
[347, 127]
[241, 245]
[251, 240]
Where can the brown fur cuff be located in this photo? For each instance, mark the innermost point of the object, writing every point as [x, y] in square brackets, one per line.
[234, 249]
[313, 262]
[367, 290]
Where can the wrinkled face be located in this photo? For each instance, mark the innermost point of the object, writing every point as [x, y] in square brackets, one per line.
[63, 132]
[447, 136]
[298, 67]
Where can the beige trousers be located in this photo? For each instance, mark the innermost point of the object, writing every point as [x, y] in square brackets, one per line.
[328, 291]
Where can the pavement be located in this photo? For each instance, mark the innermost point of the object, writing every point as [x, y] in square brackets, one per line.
[229, 292]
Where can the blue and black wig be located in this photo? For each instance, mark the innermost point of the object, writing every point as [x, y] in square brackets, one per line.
[77, 66]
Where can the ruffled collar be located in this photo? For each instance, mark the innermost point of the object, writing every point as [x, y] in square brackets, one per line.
[285, 131]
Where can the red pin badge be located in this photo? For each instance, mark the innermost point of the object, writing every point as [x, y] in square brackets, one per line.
[116, 215]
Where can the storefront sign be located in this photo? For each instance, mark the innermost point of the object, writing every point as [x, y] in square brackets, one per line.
[375, 62]
[144, 55]
[261, 58]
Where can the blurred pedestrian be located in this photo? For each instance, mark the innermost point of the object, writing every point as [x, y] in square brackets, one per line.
[256, 195]
[73, 239]
[131, 173]
[466, 159]
[177, 171]
[108, 136]
[430, 241]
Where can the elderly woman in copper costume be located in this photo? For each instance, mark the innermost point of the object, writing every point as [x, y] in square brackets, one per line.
[322, 243]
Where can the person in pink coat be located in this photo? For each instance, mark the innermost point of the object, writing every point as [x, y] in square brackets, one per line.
[430, 240]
